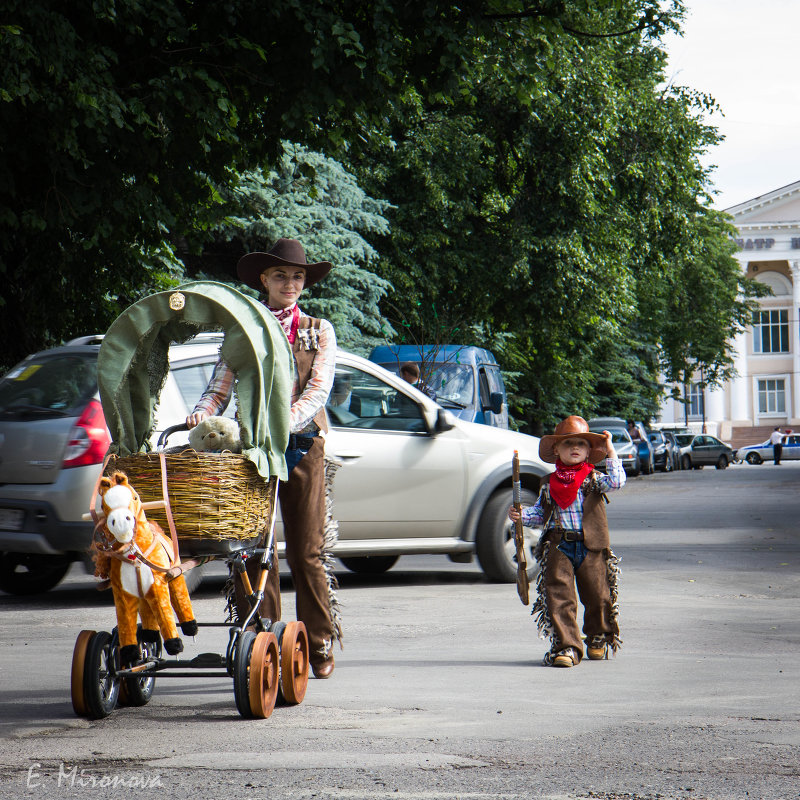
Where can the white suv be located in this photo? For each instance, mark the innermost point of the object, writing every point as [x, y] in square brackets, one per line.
[414, 479]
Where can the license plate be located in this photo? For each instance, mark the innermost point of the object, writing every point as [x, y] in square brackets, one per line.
[11, 519]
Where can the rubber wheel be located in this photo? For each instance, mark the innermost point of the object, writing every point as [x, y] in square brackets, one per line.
[29, 573]
[76, 679]
[369, 565]
[722, 463]
[138, 691]
[497, 552]
[294, 663]
[754, 458]
[686, 462]
[264, 675]
[241, 672]
[100, 681]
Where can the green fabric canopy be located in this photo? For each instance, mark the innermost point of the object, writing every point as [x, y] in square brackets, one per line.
[134, 362]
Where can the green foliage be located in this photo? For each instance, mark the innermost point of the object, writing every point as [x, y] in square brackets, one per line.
[563, 203]
[121, 117]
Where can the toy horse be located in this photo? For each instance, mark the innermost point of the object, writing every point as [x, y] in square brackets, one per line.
[136, 556]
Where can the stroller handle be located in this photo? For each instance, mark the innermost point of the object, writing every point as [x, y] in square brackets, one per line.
[167, 432]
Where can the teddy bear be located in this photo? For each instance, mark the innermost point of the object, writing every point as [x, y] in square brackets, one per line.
[215, 434]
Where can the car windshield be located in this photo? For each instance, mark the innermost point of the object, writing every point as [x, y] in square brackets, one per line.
[684, 438]
[453, 383]
[49, 386]
[618, 435]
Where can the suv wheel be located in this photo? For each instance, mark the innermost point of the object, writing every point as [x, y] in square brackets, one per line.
[369, 565]
[30, 573]
[497, 552]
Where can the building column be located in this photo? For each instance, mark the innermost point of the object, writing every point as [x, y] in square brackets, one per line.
[740, 385]
[794, 413]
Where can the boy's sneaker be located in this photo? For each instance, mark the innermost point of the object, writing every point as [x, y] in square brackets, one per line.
[566, 658]
[597, 648]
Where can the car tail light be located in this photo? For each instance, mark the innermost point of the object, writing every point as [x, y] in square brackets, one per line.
[89, 439]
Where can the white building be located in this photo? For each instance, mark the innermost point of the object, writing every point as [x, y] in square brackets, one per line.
[766, 391]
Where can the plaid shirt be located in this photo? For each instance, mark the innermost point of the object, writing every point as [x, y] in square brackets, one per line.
[571, 517]
[305, 405]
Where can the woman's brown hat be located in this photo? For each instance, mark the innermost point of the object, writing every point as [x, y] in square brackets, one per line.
[285, 253]
[571, 428]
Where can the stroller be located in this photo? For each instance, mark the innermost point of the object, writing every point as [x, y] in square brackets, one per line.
[214, 505]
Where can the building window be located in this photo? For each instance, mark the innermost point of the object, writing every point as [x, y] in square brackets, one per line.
[772, 396]
[771, 331]
[695, 399]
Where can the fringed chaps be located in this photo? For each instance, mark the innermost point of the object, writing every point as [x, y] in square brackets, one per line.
[543, 614]
[331, 536]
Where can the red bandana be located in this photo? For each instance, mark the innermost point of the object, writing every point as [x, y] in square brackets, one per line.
[566, 481]
[289, 319]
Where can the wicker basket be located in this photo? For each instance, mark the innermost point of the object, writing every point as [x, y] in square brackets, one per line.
[219, 502]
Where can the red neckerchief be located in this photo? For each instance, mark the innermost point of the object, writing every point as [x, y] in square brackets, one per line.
[289, 319]
[565, 482]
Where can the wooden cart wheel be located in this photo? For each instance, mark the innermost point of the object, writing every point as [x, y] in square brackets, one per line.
[100, 681]
[264, 675]
[241, 672]
[294, 663]
[76, 682]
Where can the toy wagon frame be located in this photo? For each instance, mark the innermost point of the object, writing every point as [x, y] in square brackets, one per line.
[216, 506]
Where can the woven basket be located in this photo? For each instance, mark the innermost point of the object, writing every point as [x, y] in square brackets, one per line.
[219, 502]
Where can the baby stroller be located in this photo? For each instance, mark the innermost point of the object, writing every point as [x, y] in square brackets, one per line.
[214, 505]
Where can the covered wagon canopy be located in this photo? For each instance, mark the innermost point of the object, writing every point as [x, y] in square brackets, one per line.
[134, 362]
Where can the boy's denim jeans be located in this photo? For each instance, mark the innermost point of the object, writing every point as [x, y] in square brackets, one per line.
[574, 551]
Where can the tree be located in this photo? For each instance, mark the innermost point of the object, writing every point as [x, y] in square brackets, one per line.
[121, 117]
[562, 202]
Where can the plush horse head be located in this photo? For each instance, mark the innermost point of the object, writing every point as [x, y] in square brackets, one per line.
[121, 506]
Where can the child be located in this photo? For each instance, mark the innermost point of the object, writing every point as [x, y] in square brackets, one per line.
[574, 546]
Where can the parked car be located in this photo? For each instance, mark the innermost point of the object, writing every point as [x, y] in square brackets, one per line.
[414, 478]
[701, 450]
[53, 438]
[626, 450]
[759, 453]
[666, 453]
[637, 434]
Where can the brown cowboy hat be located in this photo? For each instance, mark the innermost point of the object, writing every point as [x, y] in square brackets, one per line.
[573, 428]
[285, 253]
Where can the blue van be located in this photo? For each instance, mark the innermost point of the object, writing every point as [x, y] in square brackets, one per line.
[466, 379]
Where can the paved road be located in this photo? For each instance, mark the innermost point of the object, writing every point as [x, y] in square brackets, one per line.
[440, 691]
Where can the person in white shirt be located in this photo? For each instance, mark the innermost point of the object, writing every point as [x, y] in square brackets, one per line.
[776, 440]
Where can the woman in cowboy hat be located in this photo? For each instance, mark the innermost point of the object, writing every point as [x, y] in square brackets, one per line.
[281, 274]
[574, 547]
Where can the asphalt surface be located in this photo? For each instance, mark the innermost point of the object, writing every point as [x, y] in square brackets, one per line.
[440, 691]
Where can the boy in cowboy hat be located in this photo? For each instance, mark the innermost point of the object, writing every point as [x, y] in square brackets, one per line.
[282, 273]
[574, 547]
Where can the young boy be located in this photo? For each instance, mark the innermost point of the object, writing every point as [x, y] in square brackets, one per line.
[574, 547]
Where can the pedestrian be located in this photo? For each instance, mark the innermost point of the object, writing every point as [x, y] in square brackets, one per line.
[282, 273]
[776, 440]
[574, 547]
[409, 372]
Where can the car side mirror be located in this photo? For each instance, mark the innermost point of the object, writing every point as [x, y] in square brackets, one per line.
[495, 403]
[444, 421]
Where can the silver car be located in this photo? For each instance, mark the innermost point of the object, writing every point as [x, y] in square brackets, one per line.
[53, 439]
[414, 479]
[701, 450]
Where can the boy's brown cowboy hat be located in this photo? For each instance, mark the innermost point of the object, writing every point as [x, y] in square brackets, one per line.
[285, 253]
[573, 428]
